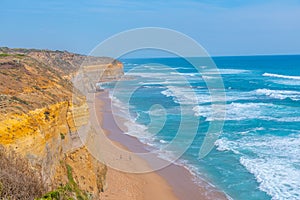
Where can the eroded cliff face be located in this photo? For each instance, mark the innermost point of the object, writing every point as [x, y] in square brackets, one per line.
[37, 115]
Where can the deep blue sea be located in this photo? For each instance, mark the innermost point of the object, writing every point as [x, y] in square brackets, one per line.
[257, 155]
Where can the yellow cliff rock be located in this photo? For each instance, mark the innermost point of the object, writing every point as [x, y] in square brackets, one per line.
[37, 116]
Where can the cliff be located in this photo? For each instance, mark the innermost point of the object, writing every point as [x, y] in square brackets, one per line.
[37, 118]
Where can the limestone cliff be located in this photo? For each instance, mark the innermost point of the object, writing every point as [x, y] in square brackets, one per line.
[36, 118]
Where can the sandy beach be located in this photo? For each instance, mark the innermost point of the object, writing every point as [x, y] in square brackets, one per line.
[171, 182]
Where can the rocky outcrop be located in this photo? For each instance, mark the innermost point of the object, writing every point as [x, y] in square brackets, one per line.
[37, 114]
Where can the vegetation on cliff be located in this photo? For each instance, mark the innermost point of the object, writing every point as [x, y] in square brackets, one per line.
[37, 117]
[17, 179]
[70, 191]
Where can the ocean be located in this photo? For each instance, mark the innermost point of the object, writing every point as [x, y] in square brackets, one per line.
[256, 155]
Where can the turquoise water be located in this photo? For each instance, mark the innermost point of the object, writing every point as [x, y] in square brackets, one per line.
[257, 153]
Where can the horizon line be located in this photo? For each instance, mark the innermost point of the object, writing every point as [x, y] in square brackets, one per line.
[212, 56]
[218, 56]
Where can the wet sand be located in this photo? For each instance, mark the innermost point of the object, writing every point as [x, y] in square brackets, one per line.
[171, 182]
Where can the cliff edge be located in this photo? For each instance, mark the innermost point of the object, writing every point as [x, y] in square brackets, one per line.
[37, 119]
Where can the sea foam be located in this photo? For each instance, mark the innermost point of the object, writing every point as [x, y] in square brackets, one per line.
[281, 76]
[275, 166]
[279, 94]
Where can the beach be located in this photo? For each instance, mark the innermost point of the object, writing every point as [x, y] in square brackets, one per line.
[172, 182]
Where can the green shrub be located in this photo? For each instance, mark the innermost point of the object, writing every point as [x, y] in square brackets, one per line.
[20, 55]
[37, 87]
[62, 136]
[52, 195]
[1, 188]
[19, 100]
[70, 191]
[4, 55]
[47, 114]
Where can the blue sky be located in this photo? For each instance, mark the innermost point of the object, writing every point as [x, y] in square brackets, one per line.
[232, 27]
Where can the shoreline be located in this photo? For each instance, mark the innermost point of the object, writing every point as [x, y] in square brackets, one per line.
[175, 181]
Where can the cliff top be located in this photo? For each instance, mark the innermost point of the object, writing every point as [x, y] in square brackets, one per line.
[31, 79]
[63, 61]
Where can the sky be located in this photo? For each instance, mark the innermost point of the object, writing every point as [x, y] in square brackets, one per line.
[222, 27]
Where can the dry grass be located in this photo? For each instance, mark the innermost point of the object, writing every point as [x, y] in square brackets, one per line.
[17, 179]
